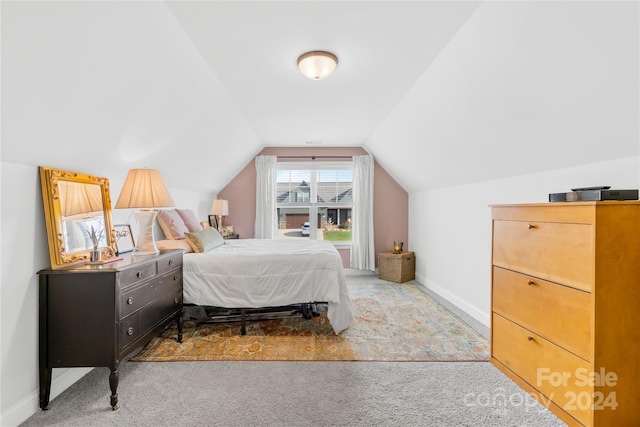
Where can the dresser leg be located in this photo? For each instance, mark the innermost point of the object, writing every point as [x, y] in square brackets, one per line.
[45, 387]
[180, 321]
[113, 383]
[44, 371]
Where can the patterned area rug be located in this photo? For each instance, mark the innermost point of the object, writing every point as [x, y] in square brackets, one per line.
[394, 322]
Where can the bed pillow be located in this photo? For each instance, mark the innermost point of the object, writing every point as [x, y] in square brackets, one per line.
[204, 240]
[174, 244]
[190, 219]
[172, 225]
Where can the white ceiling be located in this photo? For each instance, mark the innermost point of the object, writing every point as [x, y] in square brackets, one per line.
[441, 93]
[382, 47]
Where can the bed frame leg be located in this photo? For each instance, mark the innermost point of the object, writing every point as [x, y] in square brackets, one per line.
[243, 322]
[314, 310]
[309, 310]
[306, 311]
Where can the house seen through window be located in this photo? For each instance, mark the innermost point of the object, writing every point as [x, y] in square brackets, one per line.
[315, 202]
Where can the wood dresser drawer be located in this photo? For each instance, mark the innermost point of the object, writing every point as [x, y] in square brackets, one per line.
[559, 252]
[558, 313]
[130, 330]
[169, 263]
[138, 274]
[137, 297]
[141, 322]
[555, 372]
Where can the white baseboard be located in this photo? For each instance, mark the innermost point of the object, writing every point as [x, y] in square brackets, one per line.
[19, 412]
[462, 304]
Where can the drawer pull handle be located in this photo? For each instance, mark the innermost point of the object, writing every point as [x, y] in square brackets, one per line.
[176, 301]
[532, 339]
[532, 226]
[130, 331]
[139, 274]
[531, 283]
[130, 300]
[170, 262]
[175, 278]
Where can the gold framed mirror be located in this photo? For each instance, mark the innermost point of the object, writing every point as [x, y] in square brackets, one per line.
[77, 211]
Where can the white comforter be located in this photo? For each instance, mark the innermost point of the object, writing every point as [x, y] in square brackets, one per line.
[252, 273]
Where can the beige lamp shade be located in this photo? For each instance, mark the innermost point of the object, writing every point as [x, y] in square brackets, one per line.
[317, 64]
[144, 188]
[220, 207]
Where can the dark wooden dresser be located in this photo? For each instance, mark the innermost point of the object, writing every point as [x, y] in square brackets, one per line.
[94, 315]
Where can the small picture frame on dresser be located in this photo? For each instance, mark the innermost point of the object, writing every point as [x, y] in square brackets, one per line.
[124, 238]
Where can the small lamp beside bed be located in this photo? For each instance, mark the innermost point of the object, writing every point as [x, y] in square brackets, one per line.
[219, 209]
[144, 189]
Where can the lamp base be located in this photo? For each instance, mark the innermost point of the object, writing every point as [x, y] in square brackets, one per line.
[146, 244]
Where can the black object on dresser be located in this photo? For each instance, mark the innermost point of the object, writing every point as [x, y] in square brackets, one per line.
[94, 315]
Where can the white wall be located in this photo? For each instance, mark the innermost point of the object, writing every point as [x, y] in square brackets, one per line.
[543, 84]
[107, 86]
[450, 228]
[95, 87]
[24, 252]
[24, 249]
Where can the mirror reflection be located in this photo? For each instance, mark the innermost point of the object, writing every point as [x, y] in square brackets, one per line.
[78, 216]
[82, 216]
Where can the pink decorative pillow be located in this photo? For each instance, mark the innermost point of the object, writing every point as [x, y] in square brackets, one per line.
[172, 225]
[174, 244]
[190, 219]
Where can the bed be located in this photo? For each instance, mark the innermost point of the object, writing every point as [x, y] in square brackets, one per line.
[256, 273]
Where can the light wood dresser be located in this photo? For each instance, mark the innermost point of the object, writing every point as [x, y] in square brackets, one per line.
[566, 307]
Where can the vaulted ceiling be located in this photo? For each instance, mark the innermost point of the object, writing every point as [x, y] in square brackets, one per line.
[442, 93]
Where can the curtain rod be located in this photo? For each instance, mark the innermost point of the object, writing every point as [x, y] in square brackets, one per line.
[315, 157]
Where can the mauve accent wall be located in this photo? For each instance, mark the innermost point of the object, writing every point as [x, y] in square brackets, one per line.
[390, 200]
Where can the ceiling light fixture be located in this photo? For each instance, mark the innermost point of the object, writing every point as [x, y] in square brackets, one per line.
[317, 64]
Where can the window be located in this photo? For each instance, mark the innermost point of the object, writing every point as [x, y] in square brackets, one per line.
[315, 200]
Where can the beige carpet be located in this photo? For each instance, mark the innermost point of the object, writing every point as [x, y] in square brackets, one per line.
[394, 322]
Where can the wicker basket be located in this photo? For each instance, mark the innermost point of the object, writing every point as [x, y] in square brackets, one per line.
[397, 268]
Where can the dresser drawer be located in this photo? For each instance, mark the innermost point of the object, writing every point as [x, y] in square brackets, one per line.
[137, 297]
[558, 313]
[556, 373]
[169, 263]
[130, 330]
[137, 274]
[559, 252]
[154, 314]
[149, 317]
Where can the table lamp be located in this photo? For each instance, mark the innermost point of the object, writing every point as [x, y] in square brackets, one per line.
[220, 208]
[144, 189]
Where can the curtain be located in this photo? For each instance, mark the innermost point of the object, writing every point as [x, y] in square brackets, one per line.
[266, 226]
[362, 249]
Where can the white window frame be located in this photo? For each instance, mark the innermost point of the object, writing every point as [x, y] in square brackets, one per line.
[313, 167]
